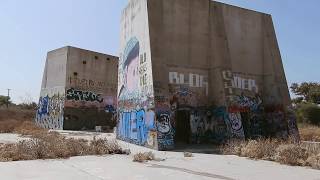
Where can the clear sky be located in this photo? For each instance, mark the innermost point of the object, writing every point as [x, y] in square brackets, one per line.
[29, 29]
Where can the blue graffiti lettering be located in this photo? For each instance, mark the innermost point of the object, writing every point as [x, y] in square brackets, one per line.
[134, 128]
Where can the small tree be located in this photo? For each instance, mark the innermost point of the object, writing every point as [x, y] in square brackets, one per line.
[5, 100]
[306, 91]
[308, 113]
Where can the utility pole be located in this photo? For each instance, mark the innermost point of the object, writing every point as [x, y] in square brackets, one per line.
[8, 97]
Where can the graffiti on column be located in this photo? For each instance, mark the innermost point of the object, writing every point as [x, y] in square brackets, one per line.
[134, 126]
[227, 83]
[250, 111]
[136, 122]
[165, 131]
[86, 84]
[292, 125]
[236, 125]
[189, 80]
[245, 112]
[232, 80]
[130, 70]
[50, 110]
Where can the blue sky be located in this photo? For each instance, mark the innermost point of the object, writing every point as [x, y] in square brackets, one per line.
[31, 28]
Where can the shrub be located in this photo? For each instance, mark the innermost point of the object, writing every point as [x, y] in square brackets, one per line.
[308, 113]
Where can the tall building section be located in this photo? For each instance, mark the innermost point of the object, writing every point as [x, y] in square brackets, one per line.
[199, 72]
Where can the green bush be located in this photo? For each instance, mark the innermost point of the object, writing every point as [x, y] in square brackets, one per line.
[308, 113]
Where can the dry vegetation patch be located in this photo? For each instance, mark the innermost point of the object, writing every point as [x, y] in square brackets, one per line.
[52, 145]
[44, 144]
[145, 156]
[309, 133]
[187, 154]
[13, 118]
[284, 152]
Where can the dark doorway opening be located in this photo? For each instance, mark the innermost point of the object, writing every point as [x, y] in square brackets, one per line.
[183, 128]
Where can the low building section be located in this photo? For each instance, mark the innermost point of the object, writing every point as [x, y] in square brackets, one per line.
[78, 90]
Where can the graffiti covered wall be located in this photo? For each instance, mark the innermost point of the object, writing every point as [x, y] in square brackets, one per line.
[79, 90]
[50, 112]
[136, 117]
[91, 88]
[186, 89]
[207, 83]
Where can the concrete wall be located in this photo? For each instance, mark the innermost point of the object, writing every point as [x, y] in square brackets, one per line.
[79, 90]
[91, 87]
[218, 67]
[55, 75]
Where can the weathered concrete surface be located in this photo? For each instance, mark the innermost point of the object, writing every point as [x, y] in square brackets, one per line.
[175, 166]
[6, 138]
[78, 90]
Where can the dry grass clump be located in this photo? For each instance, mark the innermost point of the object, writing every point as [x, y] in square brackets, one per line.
[28, 128]
[143, 157]
[310, 133]
[260, 149]
[17, 114]
[8, 125]
[284, 152]
[291, 154]
[187, 154]
[12, 118]
[53, 145]
[233, 147]
[44, 144]
[314, 161]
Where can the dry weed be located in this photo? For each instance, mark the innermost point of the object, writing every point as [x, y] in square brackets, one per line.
[285, 152]
[292, 154]
[233, 147]
[53, 145]
[314, 161]
[143, 157]
[187, 154]
[260, 149]
[9, 125]
[15, 119]
[310, 133]
[28, 128]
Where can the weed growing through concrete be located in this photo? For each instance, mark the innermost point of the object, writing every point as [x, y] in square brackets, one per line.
[187, 154]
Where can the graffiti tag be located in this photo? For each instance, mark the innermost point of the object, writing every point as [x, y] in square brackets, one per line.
[78, 95]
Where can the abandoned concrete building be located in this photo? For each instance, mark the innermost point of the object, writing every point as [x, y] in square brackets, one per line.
[199, 71]
[79, 89]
